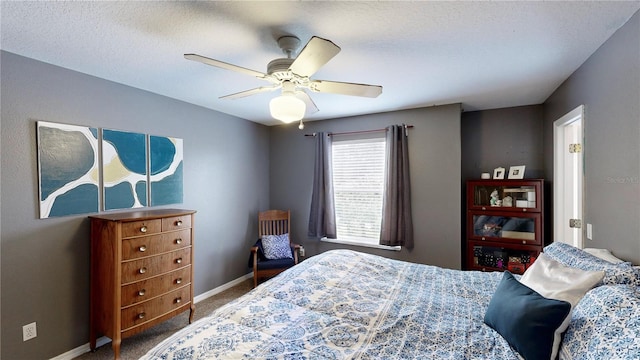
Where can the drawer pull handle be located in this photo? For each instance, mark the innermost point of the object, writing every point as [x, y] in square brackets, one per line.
[179, 261]
[483, 238]
[143, 229]
[142, 292]
[179, 281]
[178, 300]
[178, 241]
[179, 223]
[141, 315]
[142, 270]
[142, 248]
[524, 241]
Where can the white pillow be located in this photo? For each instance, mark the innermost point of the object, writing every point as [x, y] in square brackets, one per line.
[553, 280]
[604, 254]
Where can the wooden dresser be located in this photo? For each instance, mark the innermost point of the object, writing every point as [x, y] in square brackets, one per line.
[141, 271]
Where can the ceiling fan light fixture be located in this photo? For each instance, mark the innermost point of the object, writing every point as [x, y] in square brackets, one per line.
[292, 76]
[287, 108]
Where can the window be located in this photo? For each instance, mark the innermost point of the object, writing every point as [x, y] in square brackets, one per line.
[358, 180]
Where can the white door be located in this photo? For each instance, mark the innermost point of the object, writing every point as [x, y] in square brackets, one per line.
[568, 175]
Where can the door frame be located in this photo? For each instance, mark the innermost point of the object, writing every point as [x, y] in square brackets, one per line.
[559, 146]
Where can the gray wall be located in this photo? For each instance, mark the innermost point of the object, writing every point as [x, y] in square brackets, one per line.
[434, 155]
[608, 84]
[502, 137]
[45, 263]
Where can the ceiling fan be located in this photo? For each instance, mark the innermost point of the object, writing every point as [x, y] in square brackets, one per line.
[292, 76]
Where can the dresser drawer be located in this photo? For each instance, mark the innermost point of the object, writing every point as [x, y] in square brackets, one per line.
[143, 227]
[176, 223]
[148, 310]
[145, 268]
[150, 288]
[155, 244]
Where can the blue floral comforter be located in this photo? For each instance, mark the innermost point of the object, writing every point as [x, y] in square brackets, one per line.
[343, 304]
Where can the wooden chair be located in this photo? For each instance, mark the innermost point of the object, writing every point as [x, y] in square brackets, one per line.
[272, 222]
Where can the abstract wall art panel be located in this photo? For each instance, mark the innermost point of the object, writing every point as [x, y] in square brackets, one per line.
[68, 168]
[166, 170]
[124, 169]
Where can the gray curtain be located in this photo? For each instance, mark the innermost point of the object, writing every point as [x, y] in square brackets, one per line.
[322, 217]
[397, 226]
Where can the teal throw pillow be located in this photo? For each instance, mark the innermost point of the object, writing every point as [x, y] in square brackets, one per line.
[526, 319]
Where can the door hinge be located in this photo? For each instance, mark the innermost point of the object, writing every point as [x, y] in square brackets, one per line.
[575, 148]
[575, 223]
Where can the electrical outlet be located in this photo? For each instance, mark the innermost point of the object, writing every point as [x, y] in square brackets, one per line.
[301, 251]
[29, 331]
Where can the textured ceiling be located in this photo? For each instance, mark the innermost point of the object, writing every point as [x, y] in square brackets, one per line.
[482, 54]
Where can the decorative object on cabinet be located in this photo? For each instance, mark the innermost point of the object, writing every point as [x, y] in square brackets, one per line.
[498, 173]
[141, 271]
[516, 172]
[124, 169]
[67, 169]
[507, 201]
[501, 236]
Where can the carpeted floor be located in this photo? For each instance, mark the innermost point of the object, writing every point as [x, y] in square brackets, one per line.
[135, 346]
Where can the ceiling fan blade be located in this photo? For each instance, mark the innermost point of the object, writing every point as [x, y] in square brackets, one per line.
[316, 53]
[311, 106]
[224, 65]
[344, 88]
[245, 93]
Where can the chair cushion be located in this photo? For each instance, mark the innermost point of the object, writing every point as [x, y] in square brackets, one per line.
[275, 264]
[276, 247]
[260, 252]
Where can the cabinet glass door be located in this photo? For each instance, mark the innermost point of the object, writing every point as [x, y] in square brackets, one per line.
[521, 228]
[522, 196]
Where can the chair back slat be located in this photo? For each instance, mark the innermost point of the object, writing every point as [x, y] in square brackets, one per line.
[274, 222]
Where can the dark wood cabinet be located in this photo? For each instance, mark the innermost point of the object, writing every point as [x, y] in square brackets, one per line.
[504, 224]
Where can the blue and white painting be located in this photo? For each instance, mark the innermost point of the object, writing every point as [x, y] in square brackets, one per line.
[165, 170]
[124, 169]
[68, 166]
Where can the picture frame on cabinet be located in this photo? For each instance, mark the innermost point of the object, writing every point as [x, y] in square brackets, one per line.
[516, 172]
[498, 173]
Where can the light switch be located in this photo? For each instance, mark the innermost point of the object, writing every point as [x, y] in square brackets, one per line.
[589, 231]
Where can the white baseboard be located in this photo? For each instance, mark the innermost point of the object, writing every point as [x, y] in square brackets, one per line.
[71, 354]
[221, 288]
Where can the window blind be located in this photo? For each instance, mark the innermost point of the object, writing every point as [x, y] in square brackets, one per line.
[358, 179]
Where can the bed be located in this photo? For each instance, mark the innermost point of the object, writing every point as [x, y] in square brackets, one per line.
[343, 304]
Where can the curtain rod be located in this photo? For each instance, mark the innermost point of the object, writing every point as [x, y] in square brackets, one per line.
[356, 132]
